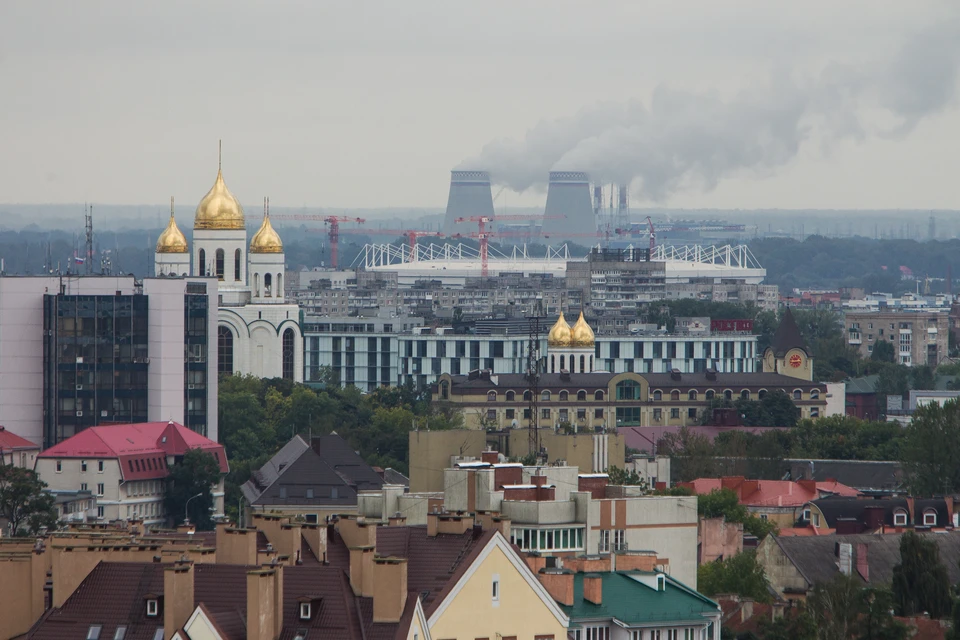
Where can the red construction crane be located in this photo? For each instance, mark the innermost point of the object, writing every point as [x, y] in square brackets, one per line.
[410, 234]
[650, 230]
[483, 237]
[334, 231]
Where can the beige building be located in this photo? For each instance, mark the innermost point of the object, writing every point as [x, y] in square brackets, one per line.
[918, 338]
[788, 354]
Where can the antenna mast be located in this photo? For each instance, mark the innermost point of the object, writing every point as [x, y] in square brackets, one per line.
[88, 224]
[533, 376]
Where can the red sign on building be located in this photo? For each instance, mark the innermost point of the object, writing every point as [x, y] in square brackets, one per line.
[730, 326]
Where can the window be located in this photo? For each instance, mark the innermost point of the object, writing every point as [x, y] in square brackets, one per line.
[153, 608]
[675, 413]
[563, 396]
[658, 395]
[93, 633]
[99, 466]
[527, 396]
[763, 516]
[598, 395]
[545, 413]
[619, 542]
[59, 466]
[900, 518]
[334, 492]
[283, 492]
[511, 396]
[596, 633]
[545, 396]
[491, 396]
[745, 394]
[692, 395]
[604, 542]
[203, 263]
[304, 610]
[806, 515]
[83, 486]
[491, 414]
[287, 355]
[930, 518]
[657, 415]
[816, 520]
[581, 396]
[99, 512]
[99, 488]
[709, 394]
[158, 634]
[511, 414]
[495, 588]
[236, 265]
[675, 395]
[691, 413]
[797, 394]
[728, 394]
[814, 394]
[120, 633]
[83, 466]
[219, 264]
[310, 493]
[598, 414]
[814, 412]
[224, 350]
[581, 414]
[628, 390]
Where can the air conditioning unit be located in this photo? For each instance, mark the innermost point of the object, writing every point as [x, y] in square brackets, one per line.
[79, 414]
[191, 386]
[79, 387]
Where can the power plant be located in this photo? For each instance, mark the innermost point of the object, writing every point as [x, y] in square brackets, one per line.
[470, 196]
[569, 210]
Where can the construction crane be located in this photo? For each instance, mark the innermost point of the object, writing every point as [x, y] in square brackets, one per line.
[650, 230]
[334, 231]
[410, 234]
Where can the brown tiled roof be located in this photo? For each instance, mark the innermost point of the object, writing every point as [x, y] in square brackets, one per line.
[787, 335]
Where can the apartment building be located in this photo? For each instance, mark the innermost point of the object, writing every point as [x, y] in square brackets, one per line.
[917, 337]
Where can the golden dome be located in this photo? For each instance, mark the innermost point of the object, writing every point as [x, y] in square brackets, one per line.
[582, 334]
[172, 239]
[266, 240]
[560, 335]
[219, 209]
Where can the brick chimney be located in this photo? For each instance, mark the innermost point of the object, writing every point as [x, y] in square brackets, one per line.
[746, 609]
[261, 604]
[177, 597]
[810, 486]
[559, 584]
[593, 588]
[490, 457]
[863, 562]
[361, 570]
[595, 483]
[389, 589]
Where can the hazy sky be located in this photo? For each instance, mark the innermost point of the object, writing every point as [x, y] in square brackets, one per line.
[733, 104]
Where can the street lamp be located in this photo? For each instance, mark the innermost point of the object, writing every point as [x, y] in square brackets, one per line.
[186, 517]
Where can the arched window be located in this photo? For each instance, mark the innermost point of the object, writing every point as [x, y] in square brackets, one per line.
[900, 518]
[628, 390]
[563, 363]
[675, 395]
[709, 394]
[583, 364]
[219, 264]
[256, 285]
[761, 394]
[267, 281]
[814, 394]
[202, 259]
[511, 396]
[692, 394]
[288, 354]
[591, 363]
[563, 396]
[279, 285]
[444, 390]
[727, 394]
[658, 395]
[598, 395]
[797, 394]
[929, 517]
[745, 394]
[491, 396]
[545, 395]
[224, 350]
[527, 396]
[581, 396]
[236, 265]
[553, 364]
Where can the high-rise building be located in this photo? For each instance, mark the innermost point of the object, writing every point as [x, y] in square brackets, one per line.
[82, 351]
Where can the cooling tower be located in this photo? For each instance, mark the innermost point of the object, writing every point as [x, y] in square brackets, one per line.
[568, 195]
[469, 196]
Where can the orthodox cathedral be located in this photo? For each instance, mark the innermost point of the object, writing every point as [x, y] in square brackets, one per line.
[258, 332]
[570, 348]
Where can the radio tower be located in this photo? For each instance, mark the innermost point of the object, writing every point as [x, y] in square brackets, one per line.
[533, 377]
[88, 224]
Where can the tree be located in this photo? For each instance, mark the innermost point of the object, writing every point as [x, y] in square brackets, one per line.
[724, 503]
[622, 477]
[843, 609]
[23, 502]
[740, 574]
[691, 454]
[920, 581]
[922, 378]
[799, 626]
[931, 448]
[194, 475]
[776, 409]
[883, 352]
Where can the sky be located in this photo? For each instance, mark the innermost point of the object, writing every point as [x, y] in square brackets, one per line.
[741, 104]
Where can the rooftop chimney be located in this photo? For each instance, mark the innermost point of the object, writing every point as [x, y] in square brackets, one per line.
[177, 597]
[469, 196]
[261, 604]
[389, 589]
[593, 588]
[559, 584]
[568, 195]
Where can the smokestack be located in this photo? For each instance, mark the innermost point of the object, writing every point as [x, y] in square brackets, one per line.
[470, 195]
[568, 195]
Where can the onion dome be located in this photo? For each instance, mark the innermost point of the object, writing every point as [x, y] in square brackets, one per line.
[560, 335]
[582, 334]
[219, 209]
[266, 240]
[172, 239]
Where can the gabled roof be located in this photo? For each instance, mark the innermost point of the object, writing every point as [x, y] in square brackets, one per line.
[862, 385]
[141, 448]
[342, 458]
[771, 493]
[10, 441]
[787, 336]
[836, 507]
[627, 599]
[816, 560]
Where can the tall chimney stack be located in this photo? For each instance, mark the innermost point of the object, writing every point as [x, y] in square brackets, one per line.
[568, 196]
[470, 195]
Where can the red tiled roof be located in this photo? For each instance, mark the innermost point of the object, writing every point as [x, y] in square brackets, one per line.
[11, 441]
[141, 448]
[771, 493]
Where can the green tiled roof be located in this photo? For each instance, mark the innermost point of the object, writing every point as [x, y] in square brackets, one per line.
[631, 602]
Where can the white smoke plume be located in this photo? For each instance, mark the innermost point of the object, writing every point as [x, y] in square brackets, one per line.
[690, 141]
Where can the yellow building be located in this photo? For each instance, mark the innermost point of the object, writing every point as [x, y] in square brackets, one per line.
[788, 353]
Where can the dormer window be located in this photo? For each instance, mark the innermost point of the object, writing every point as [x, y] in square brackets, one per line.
[153, 608]
[930, 518]
[93, 633]
[899, 518]
[304, 610]
[661, 582]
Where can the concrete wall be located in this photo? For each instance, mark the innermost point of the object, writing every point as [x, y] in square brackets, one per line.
[430, 453]
[719, 539]
[71, 477]
[528, 512]
[21, 592]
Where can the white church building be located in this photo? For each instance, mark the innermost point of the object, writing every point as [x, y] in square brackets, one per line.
[258, 331]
